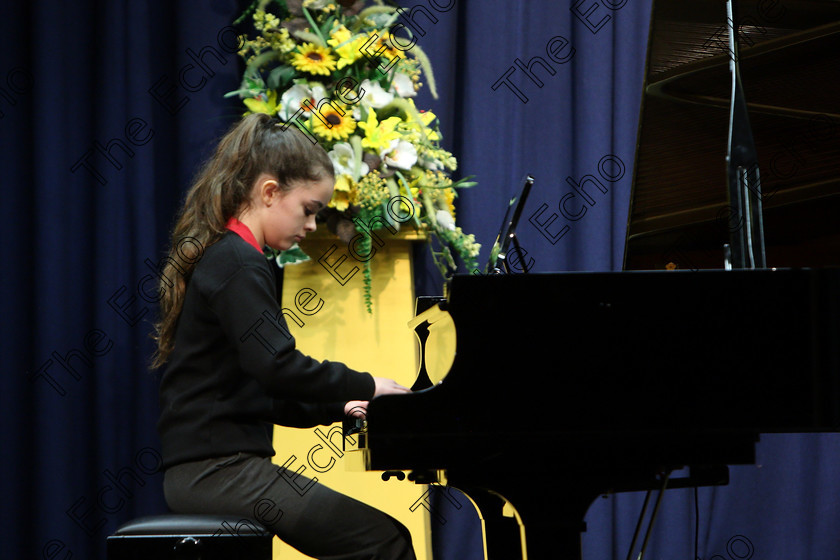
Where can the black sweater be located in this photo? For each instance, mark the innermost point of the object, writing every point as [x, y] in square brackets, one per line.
[234, 370]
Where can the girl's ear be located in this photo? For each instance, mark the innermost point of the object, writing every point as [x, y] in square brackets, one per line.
[268, 189]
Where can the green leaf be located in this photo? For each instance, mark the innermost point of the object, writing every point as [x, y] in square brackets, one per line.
[464, 183]
[371, 10]
[327, 27]
[253, 68]
[356, 143]
[408, 195]
[310, 37]
[282, 12]
[322, 41]
[293, 255]
[280, 76]
[248, 11]
[242, 92]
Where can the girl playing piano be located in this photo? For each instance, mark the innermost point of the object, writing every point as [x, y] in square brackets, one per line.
[231, 367]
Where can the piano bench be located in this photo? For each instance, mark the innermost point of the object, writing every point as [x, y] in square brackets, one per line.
[190, 537]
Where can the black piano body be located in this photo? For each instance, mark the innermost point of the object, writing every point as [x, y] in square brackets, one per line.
[567, 386]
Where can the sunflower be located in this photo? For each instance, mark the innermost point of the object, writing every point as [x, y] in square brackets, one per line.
[340, 125]
[314, 59]
[392, 46]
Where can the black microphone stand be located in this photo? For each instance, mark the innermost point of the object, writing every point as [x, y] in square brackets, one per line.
[746, 237]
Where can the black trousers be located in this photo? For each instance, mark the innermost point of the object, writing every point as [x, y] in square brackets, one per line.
[307, 515]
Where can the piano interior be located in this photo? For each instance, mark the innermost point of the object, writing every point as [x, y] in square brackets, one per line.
[790, 71]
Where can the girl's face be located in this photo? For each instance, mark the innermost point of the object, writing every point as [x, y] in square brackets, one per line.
[290, 215]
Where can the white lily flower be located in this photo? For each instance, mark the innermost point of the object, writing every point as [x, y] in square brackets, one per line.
[403, 85]
[400, 154]
[342, 158]
[445, 220]
[292, 99]
[375, 96]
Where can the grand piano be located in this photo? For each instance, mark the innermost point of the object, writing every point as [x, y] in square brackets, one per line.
[672, 365]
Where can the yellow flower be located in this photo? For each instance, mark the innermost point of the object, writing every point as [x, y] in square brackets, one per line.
[340, 126]
[378, 135]
[314, 59]
[263, 20]
[426, 118]
[343, 182]
[449, 198]
[377, 45]
[263, 104]
[387, 40]
[342, 194]
[281, 41]
[372, 191]
[349, 51]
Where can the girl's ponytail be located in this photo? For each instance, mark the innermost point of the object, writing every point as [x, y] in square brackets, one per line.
[222, 189]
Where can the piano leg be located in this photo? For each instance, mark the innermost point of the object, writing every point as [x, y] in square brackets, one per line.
[550, 520]
[502, 530]
[554, 521]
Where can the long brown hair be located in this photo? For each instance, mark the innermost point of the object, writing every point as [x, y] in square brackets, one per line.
[222, 189]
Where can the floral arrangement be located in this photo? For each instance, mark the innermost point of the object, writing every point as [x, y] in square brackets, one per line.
[335, 70]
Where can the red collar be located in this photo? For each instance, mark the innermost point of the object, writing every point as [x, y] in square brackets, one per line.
[244, 232]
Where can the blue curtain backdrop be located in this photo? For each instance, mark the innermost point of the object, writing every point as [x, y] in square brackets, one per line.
[93, 168]
[105, 110]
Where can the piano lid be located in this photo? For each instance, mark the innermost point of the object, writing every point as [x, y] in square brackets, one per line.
[790, 68]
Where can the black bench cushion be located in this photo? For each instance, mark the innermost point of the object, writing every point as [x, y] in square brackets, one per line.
[192, 525]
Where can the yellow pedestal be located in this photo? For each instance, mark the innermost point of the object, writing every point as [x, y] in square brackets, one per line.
[328, 299]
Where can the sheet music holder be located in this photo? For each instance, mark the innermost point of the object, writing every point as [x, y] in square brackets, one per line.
[507, 233]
